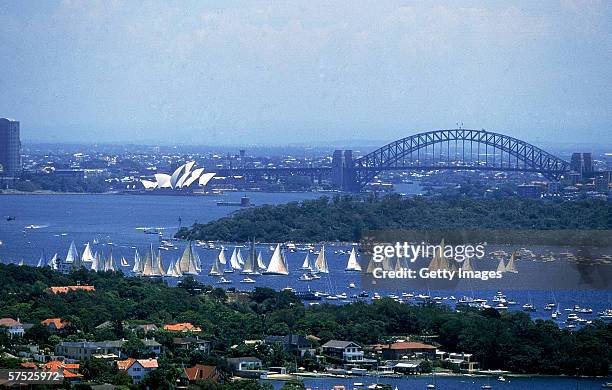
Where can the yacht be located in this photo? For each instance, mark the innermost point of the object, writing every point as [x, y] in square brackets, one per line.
[222, 280]
[247, 280]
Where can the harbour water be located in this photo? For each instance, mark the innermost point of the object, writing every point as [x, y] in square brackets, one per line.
[457, 383]
[49, 223]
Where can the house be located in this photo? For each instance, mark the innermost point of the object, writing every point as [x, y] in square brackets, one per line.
[70, 371]
[244, 363]
[409, 367]
[14, 328]
[461, 362]
[147, 328]
[182, 327]
[346, 351]
[200, 372]
[192, 344]
[66, 289]
[407, 349]
[82, 350]
[293, 343]
[55, 324]
[137, 369]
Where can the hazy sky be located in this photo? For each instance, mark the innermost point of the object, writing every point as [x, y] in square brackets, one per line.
[304, 72]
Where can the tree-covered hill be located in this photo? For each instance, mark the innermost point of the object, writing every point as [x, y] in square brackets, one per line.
[345, 218]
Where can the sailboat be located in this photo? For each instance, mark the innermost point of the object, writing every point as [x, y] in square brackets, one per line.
[501, 268]
[250, 264]
[510, 266]
[160, 263]
[150, 265]
[95, 264]
[353, 264]
[87, 256]
[278, 264]
[260, 262]
[215, 270]
[307, 266]
[234, 263]
[41, 262]
[321, 262]
[124, 262]
[197, 260]
[52, 263]
[187, 263]
[239, 257]
[467, 265]
[109, 264]
[174, 271]
[137, 269]
[72, 257]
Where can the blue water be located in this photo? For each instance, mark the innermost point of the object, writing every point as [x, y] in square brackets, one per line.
[458, 383]
[119, 221]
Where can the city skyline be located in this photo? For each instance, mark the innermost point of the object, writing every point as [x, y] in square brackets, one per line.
[305, 73]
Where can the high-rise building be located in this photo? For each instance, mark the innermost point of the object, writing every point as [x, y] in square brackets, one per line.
[10, 147]
[582, 163]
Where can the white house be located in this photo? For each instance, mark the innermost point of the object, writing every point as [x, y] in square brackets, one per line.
[13, 327]
[137, 369]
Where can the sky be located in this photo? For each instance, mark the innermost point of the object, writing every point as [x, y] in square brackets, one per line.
[311, 72]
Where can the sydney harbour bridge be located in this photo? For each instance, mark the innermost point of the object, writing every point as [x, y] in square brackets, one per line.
[454, 149]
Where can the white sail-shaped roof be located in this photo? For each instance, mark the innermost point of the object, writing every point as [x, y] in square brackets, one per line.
[148, 184]
[321, 262]
[87, 256]
[163, 180]
[277, 265]
[185, 175]
[353, 264]
[205, 178]
[195, 175]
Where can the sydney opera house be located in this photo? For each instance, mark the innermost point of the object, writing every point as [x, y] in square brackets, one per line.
[182, 178]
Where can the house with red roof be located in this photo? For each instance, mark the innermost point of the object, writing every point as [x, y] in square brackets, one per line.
[182, 327]
[137, 369]
[55, 324]
[408, 349]
[200, 372]
[67, 289]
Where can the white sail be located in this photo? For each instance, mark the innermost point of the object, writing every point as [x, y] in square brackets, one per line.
[234, 260]
[95, 264]
[500, 267]
[222, 259]
[124, 262]
[177, 270]
[239, 257]
[250, 264]
[173, 271]
[198, 261]
[353, 264]
[510, 266]
[215, 270]
[53, 262]
[187, 262]
[149, 267]
[160, 264]
[306, 264]
[278, 265]
[72, 254]
[137, 263]
[41, 260]
[21, 263]
[109, 264]
[321, 262]
[260, 262]
[87, 256]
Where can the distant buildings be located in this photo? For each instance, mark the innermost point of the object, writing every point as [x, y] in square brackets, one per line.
[582, 163]
[10, 148]
[14, 328]
[346, 351]
[83, 350]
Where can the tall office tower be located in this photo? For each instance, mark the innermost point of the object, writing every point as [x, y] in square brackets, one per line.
[587, 165]
[576, 163]
[10, 147]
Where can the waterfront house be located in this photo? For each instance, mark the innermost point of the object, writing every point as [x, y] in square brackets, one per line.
[408, 367]
[14, 328]
[182, 327]
[346, 351]
[461, 362]
[408, 349]
[137, 369]
[191, 344]
[244, 363]
[200, 372]
[292, 343]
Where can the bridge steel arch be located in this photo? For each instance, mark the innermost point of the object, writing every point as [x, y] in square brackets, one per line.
[533, 158]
